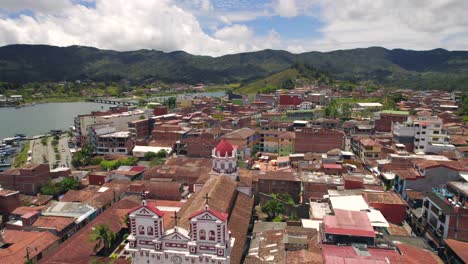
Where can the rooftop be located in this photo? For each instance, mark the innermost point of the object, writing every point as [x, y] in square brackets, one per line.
[348, 223]
[119, 134]
[53, 222]
[459, 248]
[78, 249]
[20, 241]
[384, 197]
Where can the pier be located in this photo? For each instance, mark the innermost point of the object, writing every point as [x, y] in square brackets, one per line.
[113, 101]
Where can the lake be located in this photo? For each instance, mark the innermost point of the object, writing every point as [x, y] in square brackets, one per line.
[41, 118]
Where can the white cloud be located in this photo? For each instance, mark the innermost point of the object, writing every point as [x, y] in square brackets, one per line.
[234, 32]
[178, 24]
[414, 24]
[35, 5]
[116, 24]
[286, 8]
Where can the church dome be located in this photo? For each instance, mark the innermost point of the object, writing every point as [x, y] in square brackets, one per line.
[224, 147]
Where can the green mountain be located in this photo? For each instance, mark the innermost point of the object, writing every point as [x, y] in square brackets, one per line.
[403, 68]
[296, 74]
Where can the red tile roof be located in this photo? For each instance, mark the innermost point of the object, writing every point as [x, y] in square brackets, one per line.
[55, 222]
[332, 166]
[384, 198]
[26, 209]
[347, 254]
[149, 207]
[352, 223]
[78, 249]
[221, 216]
[224, 147]
[20, 240]
[408, 174]
[458, 247]
[414, 255]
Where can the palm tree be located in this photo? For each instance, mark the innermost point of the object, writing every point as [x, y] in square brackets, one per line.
[103, 235]
[273, 208]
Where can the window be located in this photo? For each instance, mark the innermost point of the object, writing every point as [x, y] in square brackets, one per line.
[202, 235]
[150, 231]
[141, 230]
[212, 235]
[424, 127]
[442, 218]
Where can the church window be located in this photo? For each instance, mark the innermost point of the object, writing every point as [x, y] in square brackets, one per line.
[212, 235]
[222, 166]
[150, 231]
[141, 230]
[202, 235]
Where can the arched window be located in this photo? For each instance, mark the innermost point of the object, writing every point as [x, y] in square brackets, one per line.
[141, 230]
[212, 235]
[202, 235]
[150, 231]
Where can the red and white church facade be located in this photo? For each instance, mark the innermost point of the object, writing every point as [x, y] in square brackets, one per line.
[208, 239]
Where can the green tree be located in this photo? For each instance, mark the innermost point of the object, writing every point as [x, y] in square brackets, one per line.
[83, 157]
[131, 161]
[171, 102]
[150, 155]
[69, 184]
[103, 236]
[44, 141]
[285, 197]
[273, 208]
[346, 110]
[50, 189]
[162, 154]
[288, 84]
[56, 189]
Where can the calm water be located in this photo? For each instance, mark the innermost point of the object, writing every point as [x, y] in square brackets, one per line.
[41, 118]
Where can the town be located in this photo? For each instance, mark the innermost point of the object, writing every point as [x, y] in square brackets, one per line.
[313, 174]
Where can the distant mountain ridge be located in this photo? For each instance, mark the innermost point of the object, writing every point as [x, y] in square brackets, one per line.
[431, 69]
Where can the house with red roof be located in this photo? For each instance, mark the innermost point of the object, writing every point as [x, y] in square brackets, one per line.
[347, 227]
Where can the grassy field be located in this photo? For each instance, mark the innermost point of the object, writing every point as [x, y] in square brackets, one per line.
[22, 156]
[54, 100]
[221, 87]
[269, 83]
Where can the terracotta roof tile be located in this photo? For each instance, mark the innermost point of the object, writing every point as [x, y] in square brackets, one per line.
[458, 247]
[78, 249]
[54, 222]
[414, 255]
[20, 240]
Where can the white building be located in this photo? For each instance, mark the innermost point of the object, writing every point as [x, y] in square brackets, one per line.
[424, 133]
[208, 239]
[224, 160]
[118, 120]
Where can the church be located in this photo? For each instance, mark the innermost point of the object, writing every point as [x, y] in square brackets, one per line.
[211, 227]
[208, 239]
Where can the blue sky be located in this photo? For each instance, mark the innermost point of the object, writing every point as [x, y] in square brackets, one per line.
[218, 27]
